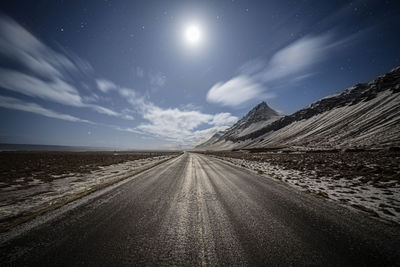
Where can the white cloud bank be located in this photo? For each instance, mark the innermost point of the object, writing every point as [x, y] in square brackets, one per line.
[181, 126]
[289, 63]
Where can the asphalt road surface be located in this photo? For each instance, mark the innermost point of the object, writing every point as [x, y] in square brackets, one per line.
[197, 210]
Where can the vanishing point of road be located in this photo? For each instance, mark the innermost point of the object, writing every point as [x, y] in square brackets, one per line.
[197, 210]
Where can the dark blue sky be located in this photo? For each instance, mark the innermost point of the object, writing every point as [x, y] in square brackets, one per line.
[123, 74]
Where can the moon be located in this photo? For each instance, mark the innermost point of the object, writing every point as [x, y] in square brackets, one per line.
[193, 35]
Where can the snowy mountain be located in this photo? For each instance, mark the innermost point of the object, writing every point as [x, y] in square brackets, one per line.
[259, 117]
[366, 115]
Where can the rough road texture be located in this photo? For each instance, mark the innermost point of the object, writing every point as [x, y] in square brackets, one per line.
[197, 210]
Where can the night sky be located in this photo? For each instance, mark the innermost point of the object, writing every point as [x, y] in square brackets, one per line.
[168, 74]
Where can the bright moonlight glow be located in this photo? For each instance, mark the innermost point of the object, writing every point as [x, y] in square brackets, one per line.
[193, 34]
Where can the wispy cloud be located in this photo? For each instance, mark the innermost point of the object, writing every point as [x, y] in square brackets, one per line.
[13, 103]
[296, 58]
[20, 45]
[105, 85]
[43, 72]
[55, 90]
[139, 72]
[236, 91]
[17, 104]
[294, 61]
[157, 79]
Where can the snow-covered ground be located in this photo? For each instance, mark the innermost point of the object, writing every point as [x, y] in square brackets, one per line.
[380, 199]
[20, 199]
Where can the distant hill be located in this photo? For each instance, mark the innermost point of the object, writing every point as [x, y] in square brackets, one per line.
[366, 115]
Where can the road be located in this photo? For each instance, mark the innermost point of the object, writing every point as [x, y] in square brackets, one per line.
[198, 210]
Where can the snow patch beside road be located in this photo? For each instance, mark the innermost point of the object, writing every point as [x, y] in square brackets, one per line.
[381, 199]
[19, 200]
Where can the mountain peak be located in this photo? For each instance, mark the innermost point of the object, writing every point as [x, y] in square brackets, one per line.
[261, 111]
[262, 105]
[257, 118]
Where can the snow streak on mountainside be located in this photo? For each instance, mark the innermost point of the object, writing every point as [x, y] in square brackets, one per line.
[213, 139]
[364, 116]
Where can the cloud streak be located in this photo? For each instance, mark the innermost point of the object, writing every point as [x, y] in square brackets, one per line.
[296, 58]
[16, 104]
[157, 79]
[105, 85]
[234, 92]
[292, 62]
[43, 73]
[18, 44]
